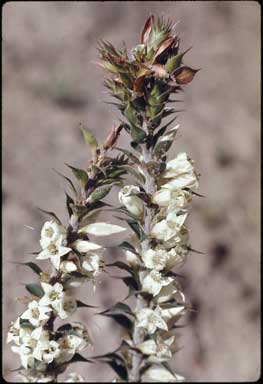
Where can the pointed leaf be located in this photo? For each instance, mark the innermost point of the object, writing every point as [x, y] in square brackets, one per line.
[67, 180]
[35, 289]
[90, 139]
[80, 304]
[80, 174]
[52, 214]
[31, 265]
[101, 229]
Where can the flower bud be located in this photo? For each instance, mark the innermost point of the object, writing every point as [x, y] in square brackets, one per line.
[132, 202]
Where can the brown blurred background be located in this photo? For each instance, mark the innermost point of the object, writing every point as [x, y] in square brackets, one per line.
[50, 85]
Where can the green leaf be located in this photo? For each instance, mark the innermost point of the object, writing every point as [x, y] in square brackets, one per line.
[80, 304]
[90, 139]
[31, 265]
[35, 289]
[128, 247]
[121, 265]
[80, 174]
[69, 202]
[175, 61]
[99, 194]
[68, 181]
[79, 358]
[133, 171]
[132, 116]
[136, 227]
[52, 214]
[129, 154]
[138, 135]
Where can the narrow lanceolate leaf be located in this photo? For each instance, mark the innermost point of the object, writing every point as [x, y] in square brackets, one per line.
[130, 155]
[121, 265]
[35, 289]
[52, 214]
[132, 116]
[102, 229]
[147, 30]
[133, 171]
[79, 358]
[185, 75]
[71, 185]
[128, 247]
[80, 174]
[31, 265]
[69, 201]
[80, 304]
[98, 194]
[90, 139]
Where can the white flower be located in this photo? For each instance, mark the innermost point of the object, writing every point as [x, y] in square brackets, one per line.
[37, 341]
[52, 352]
[91, 263]
[154, 281]
[155, 259]
[51, 232]
[176, 256]
[159, 349]
[25, 353]
[69, 345]
[54, 252]
[36, 314]
[168, 228]
[53, 294]
[68, 266]
[14, 332]
[65, 307]
[101, 229]
[128, 198]
[178, 166]
[161, 374]
[166, 293]
[84, 246]
[151, 319]
[74, 378]
[83, 333]
[175, 201]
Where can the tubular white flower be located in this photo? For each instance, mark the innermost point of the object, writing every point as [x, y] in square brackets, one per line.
[54, 252]
[127, 196]
[174, 201]
[84, 246]
[51, 232]
[154, 281]
[36, 314]
[166, 293]
[178, 166]
[151, 319]
[101, 229]
[69, 345]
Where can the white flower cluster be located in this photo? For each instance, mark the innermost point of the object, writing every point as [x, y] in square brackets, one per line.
[167, 249]
[36, 342]
[38, 347]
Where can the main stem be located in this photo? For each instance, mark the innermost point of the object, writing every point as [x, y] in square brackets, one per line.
[150, 188]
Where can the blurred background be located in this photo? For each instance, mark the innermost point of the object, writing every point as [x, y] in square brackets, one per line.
[50, 85]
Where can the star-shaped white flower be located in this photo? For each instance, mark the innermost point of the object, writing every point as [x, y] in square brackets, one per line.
[54, 252]
[53, 294]
[158, 350]
[38, 341]
[91, 263]
[51, 232]
[154, 281]
[14, 332]
[155, 259]
[36, 314]
[151, 319]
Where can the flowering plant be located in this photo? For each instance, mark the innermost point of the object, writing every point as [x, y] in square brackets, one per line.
[155, 206]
